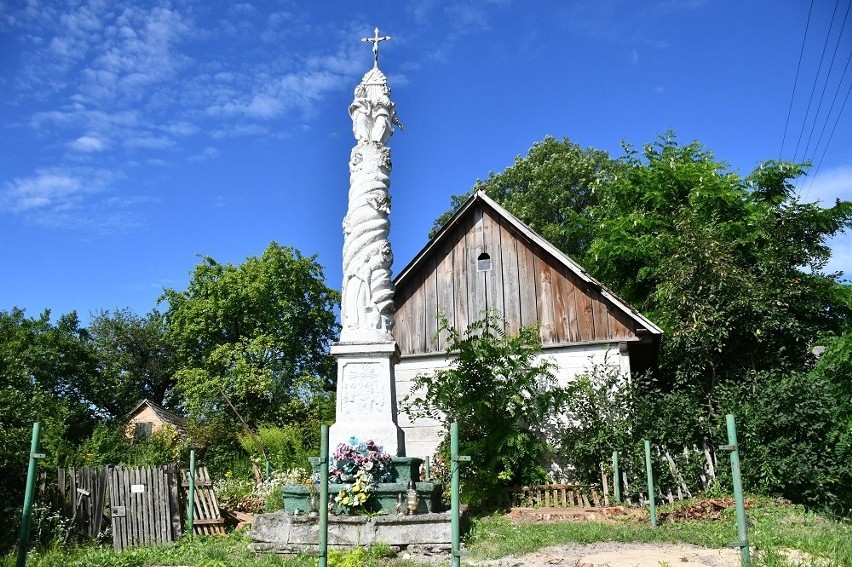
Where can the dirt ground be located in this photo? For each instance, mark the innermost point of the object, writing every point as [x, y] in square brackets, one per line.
[610, 554]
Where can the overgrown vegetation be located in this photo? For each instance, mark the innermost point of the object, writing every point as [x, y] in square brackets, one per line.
[732, 268]
[502, 398]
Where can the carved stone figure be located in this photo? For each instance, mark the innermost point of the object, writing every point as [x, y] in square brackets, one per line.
[366, 352]
[367, 298]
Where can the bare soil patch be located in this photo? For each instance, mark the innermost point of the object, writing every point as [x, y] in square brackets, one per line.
[611, 554]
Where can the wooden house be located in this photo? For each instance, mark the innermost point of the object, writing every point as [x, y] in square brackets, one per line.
[484, 258]
[147, 418]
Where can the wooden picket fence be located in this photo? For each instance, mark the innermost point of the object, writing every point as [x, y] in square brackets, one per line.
[83, 492]
[142, 505]
[555, 496]
[207, 518]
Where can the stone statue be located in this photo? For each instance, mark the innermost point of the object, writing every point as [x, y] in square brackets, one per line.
[367, 298]
[366, 352]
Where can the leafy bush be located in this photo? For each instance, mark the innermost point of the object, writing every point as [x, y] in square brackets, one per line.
[502, 398]
[286, 446]
[244, 495]
[109, 445]
[598, 419]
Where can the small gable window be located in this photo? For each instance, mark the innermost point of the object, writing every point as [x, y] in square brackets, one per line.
[483, 263]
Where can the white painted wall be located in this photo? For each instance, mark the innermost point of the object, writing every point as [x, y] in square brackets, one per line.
[423, 436]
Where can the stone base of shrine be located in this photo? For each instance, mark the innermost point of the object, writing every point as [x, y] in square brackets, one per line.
[418, 534]
[366, 396]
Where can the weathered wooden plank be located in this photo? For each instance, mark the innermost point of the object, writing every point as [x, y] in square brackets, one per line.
[560, 308]
[511, 283]
[445, 281]
[461, 294]
[418, 326]
[601, 316]
[158, 501]
[544, 302]
[403, 329]
[491, 245]
[570, 319]
[621, 325]
[430, 305]
[174, 499]
[528, 284]
[477, 302]
[585, 311]
[120, 524]
[133, 508]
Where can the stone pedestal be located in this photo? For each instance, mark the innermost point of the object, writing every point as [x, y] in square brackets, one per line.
[366, 396]
[426, 534]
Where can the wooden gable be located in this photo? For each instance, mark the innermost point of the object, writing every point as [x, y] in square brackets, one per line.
[486, 259]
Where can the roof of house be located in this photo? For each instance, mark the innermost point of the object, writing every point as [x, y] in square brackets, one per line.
[165, 415]
[480, 197]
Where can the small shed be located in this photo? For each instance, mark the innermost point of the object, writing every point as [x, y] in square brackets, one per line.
[147, 418]
[484, 258]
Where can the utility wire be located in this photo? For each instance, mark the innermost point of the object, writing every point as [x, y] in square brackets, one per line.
[831, 106]
[796, 80]
[816, 80]
[828, 143]
[825, 85]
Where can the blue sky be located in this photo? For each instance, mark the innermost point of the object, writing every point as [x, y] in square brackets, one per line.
[137, 135]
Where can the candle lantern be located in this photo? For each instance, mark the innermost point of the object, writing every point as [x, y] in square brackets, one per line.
[413, 501]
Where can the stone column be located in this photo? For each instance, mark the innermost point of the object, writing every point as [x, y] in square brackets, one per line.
[366, 354]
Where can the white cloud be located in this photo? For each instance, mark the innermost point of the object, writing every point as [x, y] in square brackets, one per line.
[52, 189]
[205, 154]
[150, 142]
[88, 144]
[828, 186]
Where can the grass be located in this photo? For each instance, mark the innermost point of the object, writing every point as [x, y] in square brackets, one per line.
[773, 528]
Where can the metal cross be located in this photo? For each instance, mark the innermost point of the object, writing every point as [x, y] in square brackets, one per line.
[375, 41]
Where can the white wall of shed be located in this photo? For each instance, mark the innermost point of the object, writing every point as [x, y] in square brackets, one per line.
[423, 436]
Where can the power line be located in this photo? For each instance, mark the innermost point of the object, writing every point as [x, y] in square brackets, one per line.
[828, 143]
[796, 81]
[831, 106]
[816, 80]
[825, 85]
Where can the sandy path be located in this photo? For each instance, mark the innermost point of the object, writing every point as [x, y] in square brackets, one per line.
[610, 554]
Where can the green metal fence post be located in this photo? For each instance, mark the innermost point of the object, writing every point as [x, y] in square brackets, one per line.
[742, 523]
[427, 472]
[190, 513]
[323, 503]
[652, 495]
[455, 505]
[616, 478]
[26, 513]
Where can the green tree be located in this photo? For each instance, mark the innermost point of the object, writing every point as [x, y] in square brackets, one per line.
[501, 397]
[551, 189]
[729, 266]
[44, 370]
[732, 268]
[135, 361]
[257, 333]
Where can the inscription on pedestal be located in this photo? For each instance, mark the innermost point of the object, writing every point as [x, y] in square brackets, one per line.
[360, 390]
